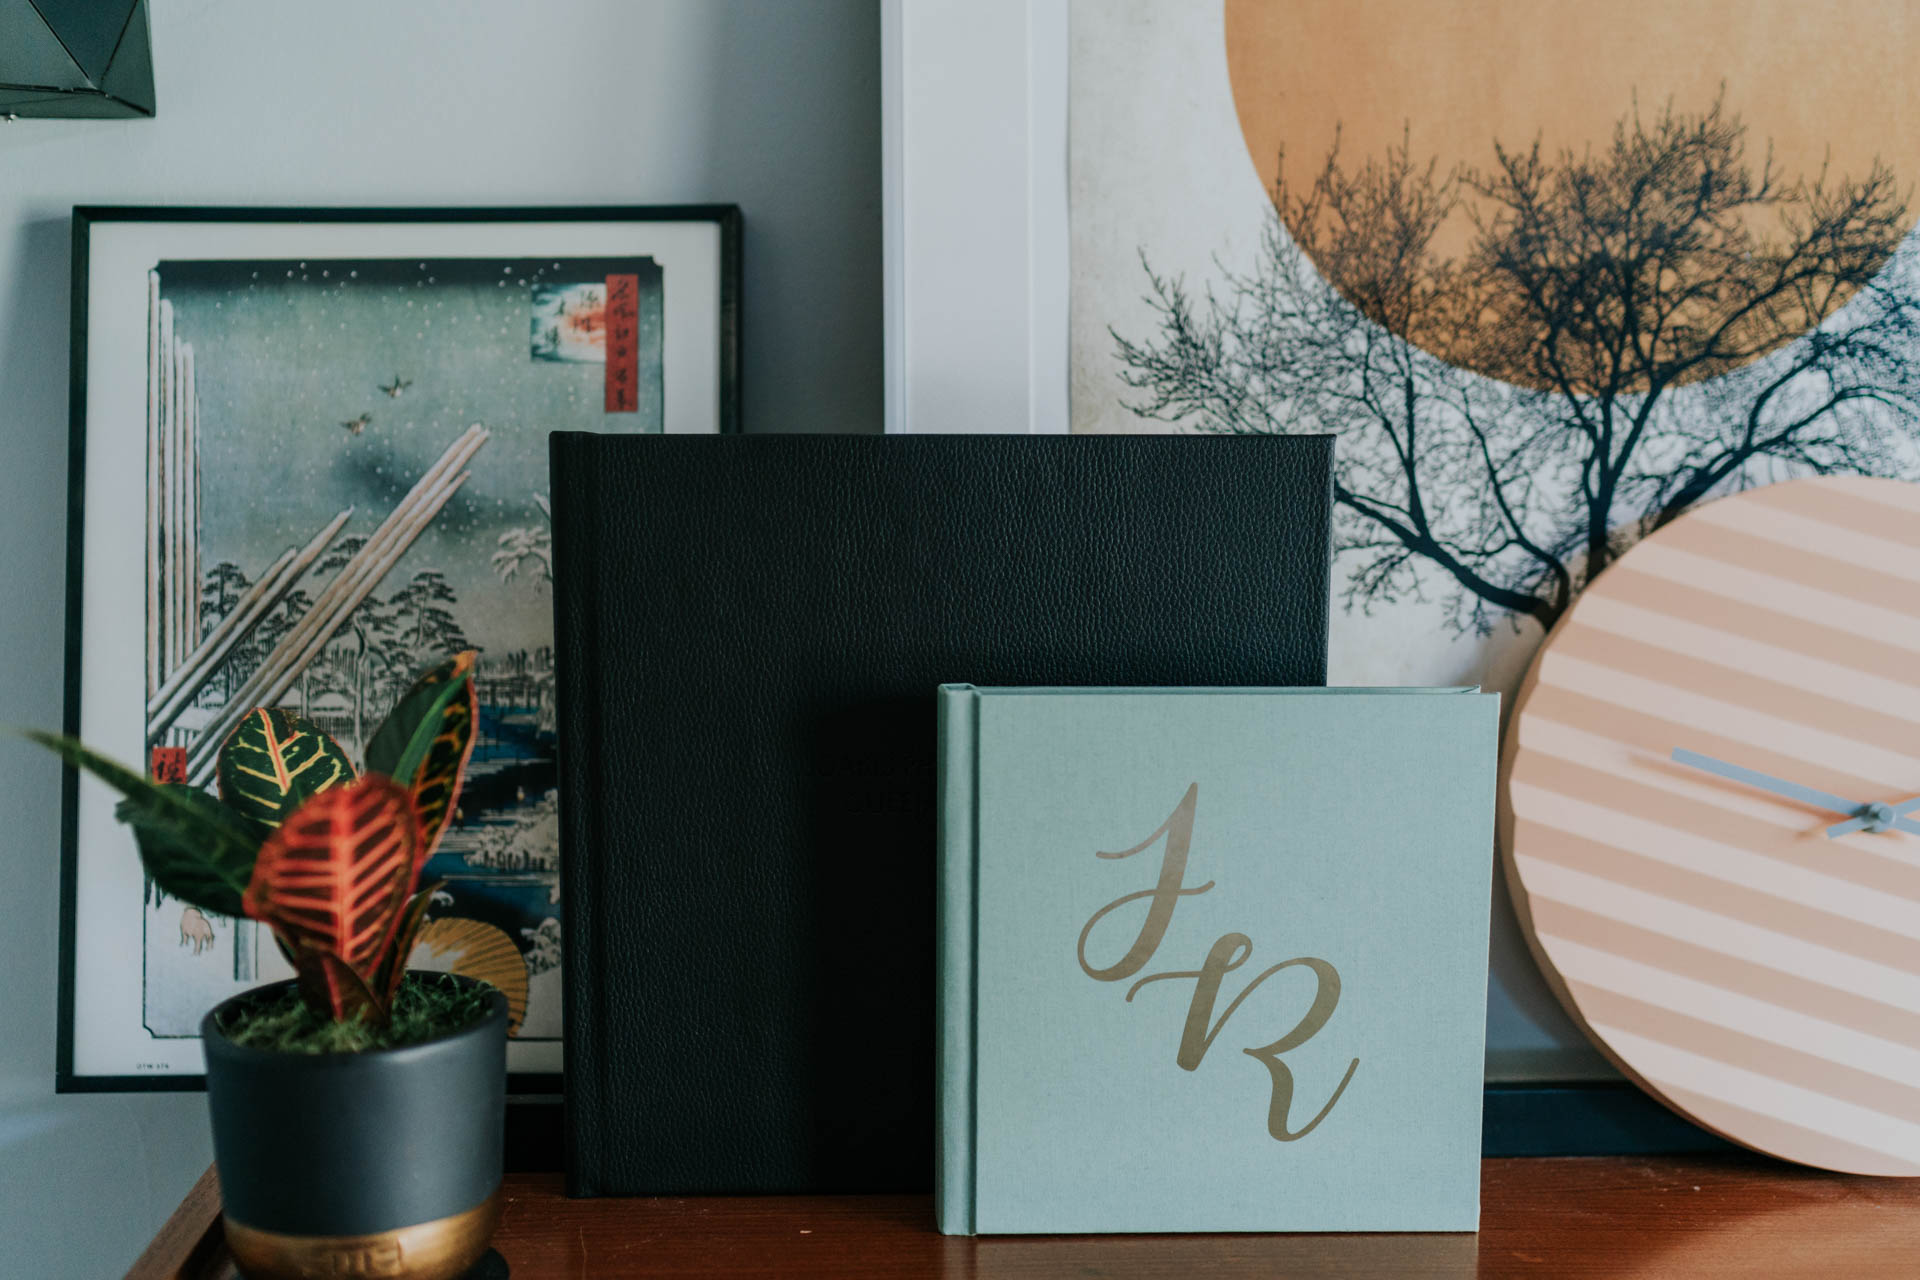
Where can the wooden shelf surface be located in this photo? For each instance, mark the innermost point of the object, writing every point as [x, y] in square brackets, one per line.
[1568, 1219]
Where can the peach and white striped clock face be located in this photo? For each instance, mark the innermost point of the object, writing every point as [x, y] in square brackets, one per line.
[1758, 974]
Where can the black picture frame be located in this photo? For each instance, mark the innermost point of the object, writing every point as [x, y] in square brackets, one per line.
[1586, 1118]
[535, 1088]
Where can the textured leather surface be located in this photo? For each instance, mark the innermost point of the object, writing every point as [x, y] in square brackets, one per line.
[750, 632]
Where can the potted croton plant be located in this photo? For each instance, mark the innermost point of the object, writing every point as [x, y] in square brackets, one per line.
[357, 1108]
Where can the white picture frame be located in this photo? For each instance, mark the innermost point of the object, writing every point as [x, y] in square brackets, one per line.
[974, 183]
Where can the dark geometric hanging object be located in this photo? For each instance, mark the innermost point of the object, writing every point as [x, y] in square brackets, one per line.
[75, 59]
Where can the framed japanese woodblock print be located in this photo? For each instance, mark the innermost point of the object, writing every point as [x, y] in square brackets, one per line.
[308, 460]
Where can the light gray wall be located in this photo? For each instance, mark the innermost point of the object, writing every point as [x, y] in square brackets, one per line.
[772, 104]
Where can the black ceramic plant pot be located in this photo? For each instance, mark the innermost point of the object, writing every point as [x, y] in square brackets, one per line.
[384, 1163]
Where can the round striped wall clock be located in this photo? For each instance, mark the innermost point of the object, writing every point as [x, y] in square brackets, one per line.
[1711, 818]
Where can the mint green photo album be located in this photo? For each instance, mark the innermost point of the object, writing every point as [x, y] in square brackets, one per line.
[1213, 959]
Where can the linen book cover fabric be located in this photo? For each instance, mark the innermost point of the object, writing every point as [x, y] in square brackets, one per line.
[750, 634]
[1213, 960]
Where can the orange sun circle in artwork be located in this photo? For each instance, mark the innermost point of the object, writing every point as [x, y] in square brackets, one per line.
[1818, 90]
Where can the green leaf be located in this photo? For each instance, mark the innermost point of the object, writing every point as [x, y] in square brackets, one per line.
[194, 847]
[400, 745]
[393, 966]
[273, 761]
[331, 987]
[436, 787]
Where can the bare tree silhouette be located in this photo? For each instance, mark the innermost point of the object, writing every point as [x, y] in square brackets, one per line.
[1630, 330]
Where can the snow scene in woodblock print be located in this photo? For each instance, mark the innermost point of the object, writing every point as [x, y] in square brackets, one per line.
[346, 466]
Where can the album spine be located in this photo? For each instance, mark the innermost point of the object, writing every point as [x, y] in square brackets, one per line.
[577, 675]
[956, 931]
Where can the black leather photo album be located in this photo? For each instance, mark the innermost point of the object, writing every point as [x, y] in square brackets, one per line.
[750, 631]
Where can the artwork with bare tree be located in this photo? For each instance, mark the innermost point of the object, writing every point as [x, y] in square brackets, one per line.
[1551, 275]
[1628, 330]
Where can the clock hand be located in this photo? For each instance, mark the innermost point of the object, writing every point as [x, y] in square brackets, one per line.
[1865, 817]
[1861, 817]
[1766, 782]
[1878, 817]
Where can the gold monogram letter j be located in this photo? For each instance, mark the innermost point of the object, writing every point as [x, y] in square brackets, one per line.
[1227, 954]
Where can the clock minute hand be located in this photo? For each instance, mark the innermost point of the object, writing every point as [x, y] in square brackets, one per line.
[1767, 782]
[1859, 817]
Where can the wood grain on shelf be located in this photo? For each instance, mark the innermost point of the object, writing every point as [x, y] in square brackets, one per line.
[190, 1245]
[1568, 1219]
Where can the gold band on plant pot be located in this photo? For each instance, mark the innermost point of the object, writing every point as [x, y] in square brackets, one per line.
[442, 1249]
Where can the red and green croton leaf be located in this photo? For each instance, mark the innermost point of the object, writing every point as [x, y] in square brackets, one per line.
[426, 741]
[386, 980]
[334, 882]
[328, 982]
[274, 761]
[436, 786]
[399, 746]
